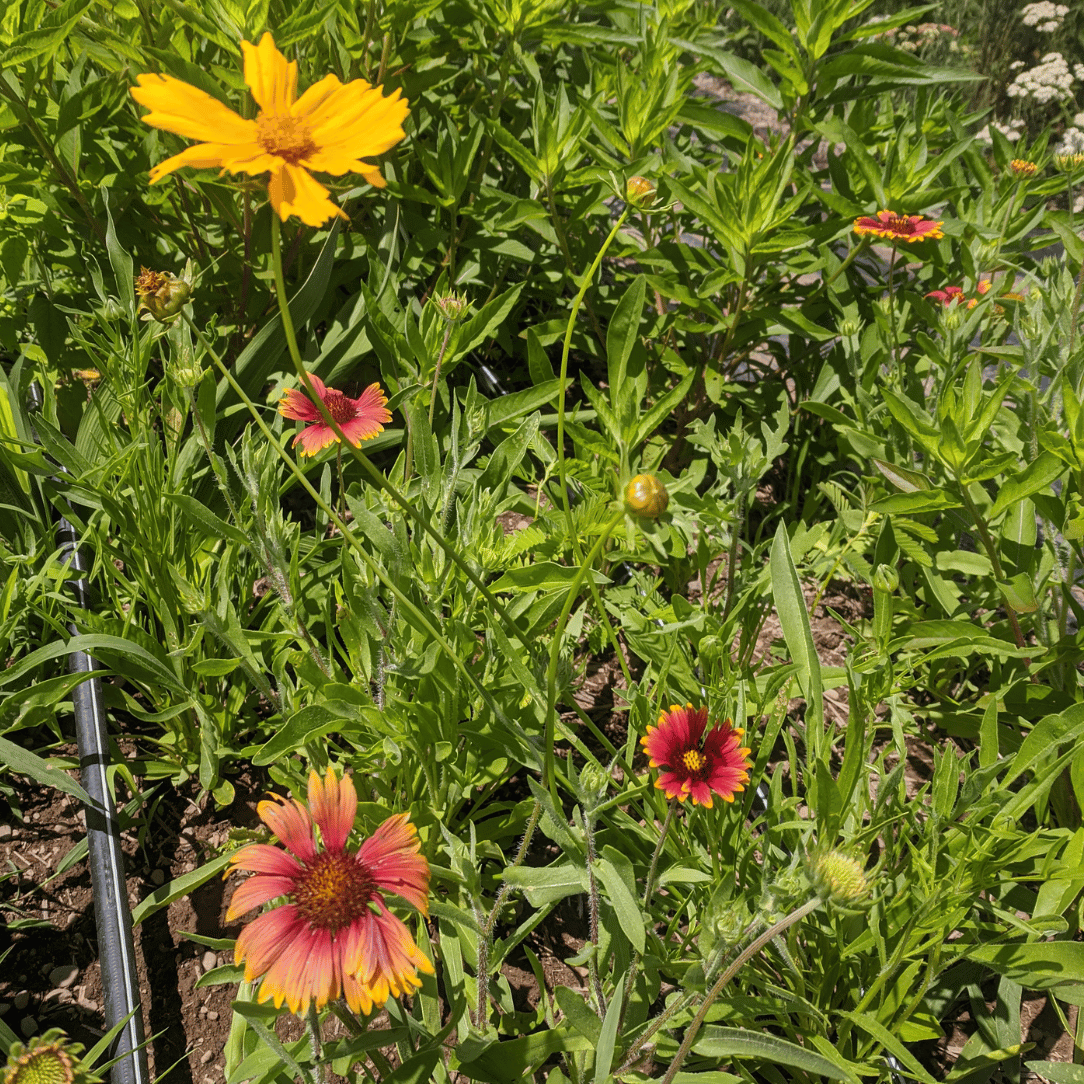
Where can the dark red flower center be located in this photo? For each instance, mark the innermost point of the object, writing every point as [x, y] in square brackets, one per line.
[899, 223]
[288, 138]
[340, 407]
[333, 890]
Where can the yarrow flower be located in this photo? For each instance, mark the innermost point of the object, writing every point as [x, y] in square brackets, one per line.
[333, 936]
[330, 128]
[909, 228]
[359, 419]
[696, 763]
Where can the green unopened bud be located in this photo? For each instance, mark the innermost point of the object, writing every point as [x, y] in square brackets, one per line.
[594, 781]
[952, 317]
[839, 878]
[646, 497]
[886, 578]
[163, 295]
[849, 328]
[453, 307]
[1068, 163]
[640, 192]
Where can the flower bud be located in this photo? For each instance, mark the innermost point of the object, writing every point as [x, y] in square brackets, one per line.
[1021, 168]
[1068, 163]
[640, 192]
[952, 317]
[838, 877]
[594, 781]
[646, 497]
[163, 295]
[886, 578]
[48, 1059]
[849, 328]
[452, 307]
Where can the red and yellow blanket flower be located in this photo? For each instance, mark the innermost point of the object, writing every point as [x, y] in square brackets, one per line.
[329, 129]
[697, 763]
[894, 227]
[332, 935]
[360, 419]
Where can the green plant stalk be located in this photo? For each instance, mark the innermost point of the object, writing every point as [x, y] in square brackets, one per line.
[649, 887]
[747, 954]
[991, 552]
[312, 1026]
[576, 303]
[593, 907]
[376, 477]
[1074, 312]
[436, 371]
[892, 312]
[548, 774]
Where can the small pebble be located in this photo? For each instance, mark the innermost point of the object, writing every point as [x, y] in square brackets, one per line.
[206, 1056]
[28, 1026]
[211, 1014]
[158, 877]
[4, 1006]
[210, 960]
[86, 1003]
[64, 975]
[22, 999]
[5, 831]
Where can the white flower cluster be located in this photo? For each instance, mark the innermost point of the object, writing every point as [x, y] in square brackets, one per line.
[1044, 15]
[1072, 142]
[1012, 131]
[1050, 80]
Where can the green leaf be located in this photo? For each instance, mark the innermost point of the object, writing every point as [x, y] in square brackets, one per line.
[736, 1042]
[545, 884]
[578, 1013]
[312, 721]
[416, 1069]
[180, 886]
[621, 336]
[794, 619]
[1034, 478]
[23, 761]
[1059, 1072]
[542, 576]
[1046, 965]
[911, 504]
[741, 74]
[909, 481]
[44, 39]
[200, 514]
[510, 1060]
[607, 1040]
[624, 904]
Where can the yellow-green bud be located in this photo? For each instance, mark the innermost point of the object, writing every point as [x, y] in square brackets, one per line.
[885, 578]
[48, 1059]
[952, 317]
[646, 497]
[849, 328]
[1068, 163]
[839, 877]
[640, 192]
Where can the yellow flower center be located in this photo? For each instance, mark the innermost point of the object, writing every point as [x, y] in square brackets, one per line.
[333, 891]
[46, 1065]
[288, 138]
[694, 760]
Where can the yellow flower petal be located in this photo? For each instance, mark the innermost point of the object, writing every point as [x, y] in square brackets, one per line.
[357, 122]
[317, 94]
[241, 157]
[294, 192]
[272, 80]
[179, 107]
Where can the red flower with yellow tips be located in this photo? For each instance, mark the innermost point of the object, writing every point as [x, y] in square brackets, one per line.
[894, 227]
[333, 935]
[360, 419]
[697, 763]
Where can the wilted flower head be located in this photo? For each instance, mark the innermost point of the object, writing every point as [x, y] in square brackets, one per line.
[48, 1059]
[697, 763]
[894, 227]
[334, 935]
[162, 294]
[359, 419]
[330, 128]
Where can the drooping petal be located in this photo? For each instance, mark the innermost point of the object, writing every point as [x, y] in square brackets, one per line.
[391, 856]
[371, 415]
[240, 157]
[181, 108]
[272, 80]
[293, 191]
[264, 939]
[315, 438]
[289, 978]
[297, 405]
[334, 804]
[290, 821]
[257, 891]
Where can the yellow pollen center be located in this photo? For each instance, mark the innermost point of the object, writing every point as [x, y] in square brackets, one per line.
[694, 760]
[333, 891]
[288, 138]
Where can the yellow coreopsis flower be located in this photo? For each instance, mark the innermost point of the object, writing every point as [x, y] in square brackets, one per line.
[330, 128]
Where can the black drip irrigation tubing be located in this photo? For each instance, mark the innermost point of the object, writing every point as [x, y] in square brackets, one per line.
[112, 915]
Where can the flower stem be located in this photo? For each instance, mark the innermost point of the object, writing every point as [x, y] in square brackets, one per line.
[548, 775]
[312, 1025]
[576, 303]
[436, 372]
[743, 958]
